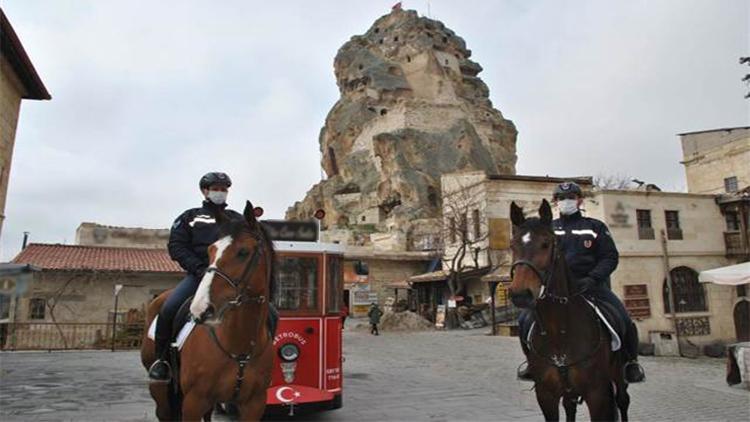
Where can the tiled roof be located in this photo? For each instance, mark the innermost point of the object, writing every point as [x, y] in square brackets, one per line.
[75, 257]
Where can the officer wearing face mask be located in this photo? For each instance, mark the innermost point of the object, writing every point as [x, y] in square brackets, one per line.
[192, 232]
[591, 256]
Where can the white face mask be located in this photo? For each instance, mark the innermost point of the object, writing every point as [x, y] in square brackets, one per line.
[567, 206]
[217, 197]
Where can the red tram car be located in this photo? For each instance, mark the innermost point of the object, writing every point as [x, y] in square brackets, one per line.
[307, 369]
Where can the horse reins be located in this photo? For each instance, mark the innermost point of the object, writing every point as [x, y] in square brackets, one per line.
[240, 299]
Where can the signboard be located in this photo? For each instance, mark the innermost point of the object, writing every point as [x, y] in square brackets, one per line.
[440, 316]
[636, 301]
[294, 231]
[499, 233]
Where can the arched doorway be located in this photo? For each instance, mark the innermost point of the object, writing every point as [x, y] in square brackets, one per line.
[742, 320]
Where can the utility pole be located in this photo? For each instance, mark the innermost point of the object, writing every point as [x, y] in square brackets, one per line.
[670, 290]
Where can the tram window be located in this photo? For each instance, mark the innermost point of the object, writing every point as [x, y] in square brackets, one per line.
[297, 284]
[334, 286]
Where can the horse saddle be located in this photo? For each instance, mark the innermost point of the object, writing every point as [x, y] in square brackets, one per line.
[182, 325]
[611, 319]
[606, 313]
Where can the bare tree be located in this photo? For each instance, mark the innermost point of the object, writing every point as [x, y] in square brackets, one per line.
[463, 238]
[615, 181]
[55, 299]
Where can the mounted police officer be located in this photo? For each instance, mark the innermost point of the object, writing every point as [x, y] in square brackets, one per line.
[191, 234]
[591, 256]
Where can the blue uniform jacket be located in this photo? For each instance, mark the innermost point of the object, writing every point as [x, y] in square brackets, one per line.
[588, 247]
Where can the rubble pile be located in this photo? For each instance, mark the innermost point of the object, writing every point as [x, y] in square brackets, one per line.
[404, 321]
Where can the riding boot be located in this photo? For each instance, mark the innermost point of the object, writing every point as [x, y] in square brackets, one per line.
[632, 369]
[160, 370]
[524, 372]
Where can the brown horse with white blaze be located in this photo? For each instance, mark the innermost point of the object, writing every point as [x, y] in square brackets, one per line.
[568, 351]
[229, 354]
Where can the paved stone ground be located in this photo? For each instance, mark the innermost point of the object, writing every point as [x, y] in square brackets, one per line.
[427, 376]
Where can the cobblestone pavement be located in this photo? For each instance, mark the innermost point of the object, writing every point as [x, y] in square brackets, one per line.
[427, 376]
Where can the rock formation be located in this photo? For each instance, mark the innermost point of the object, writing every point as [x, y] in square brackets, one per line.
[411, 109]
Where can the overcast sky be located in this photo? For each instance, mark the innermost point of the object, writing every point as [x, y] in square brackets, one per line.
[147, 96]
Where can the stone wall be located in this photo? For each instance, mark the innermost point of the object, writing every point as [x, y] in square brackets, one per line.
[711, 156]
[92, 234]
[383, 272]
[11, 91]
[88, 296]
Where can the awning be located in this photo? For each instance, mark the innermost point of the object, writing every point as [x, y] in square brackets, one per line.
[733, 275]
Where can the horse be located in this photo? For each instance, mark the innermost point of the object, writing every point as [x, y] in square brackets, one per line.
[228, 356]
[569, 353]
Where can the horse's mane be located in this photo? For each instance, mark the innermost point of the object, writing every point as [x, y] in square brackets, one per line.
[236, 226]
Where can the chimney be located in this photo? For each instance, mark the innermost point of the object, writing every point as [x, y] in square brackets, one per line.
[25, 240]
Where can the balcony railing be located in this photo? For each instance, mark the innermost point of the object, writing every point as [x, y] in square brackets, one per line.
[733, 243]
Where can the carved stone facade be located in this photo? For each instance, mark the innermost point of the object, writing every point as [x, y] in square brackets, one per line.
[412, 108]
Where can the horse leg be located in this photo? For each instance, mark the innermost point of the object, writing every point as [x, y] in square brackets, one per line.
[253, 408]
[623, 400]
[195, 407]
[549, 402]
[601, 403]
[570, 403]
[160, 394]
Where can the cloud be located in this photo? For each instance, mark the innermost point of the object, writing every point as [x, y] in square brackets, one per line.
[148, 96]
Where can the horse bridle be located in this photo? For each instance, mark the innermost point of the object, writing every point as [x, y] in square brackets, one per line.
[241, 292]
[242, 359]
[544, 277]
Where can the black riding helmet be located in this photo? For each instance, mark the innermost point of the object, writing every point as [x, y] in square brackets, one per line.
[214, 178]
[566, 188]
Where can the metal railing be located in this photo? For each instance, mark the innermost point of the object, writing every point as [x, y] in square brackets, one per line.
[69, 336]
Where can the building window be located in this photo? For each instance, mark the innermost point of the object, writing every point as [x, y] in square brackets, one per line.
[689, 295]
[674, 232]
[477, 228]
[645, 230]
[4, 306]
[733, 221]
[464, 227]
[37, 307]
[452, 229]
[730, 184]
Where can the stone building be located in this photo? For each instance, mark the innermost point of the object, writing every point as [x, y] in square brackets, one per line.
[93, 234]
[18, 81]
[71, 290]
[716, 161]
[693, 229]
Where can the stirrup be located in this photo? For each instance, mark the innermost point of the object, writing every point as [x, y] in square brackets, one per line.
[154, 374]
[524, 373]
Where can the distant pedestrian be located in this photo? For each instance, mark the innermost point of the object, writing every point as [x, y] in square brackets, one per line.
[375, 313]
[344, 314]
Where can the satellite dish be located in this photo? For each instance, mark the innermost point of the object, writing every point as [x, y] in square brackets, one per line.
[257, 212]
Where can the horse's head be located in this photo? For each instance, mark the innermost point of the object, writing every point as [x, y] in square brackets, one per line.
[239, 270]
[533, 248]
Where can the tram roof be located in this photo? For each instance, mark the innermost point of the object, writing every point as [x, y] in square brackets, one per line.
[315, 247]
